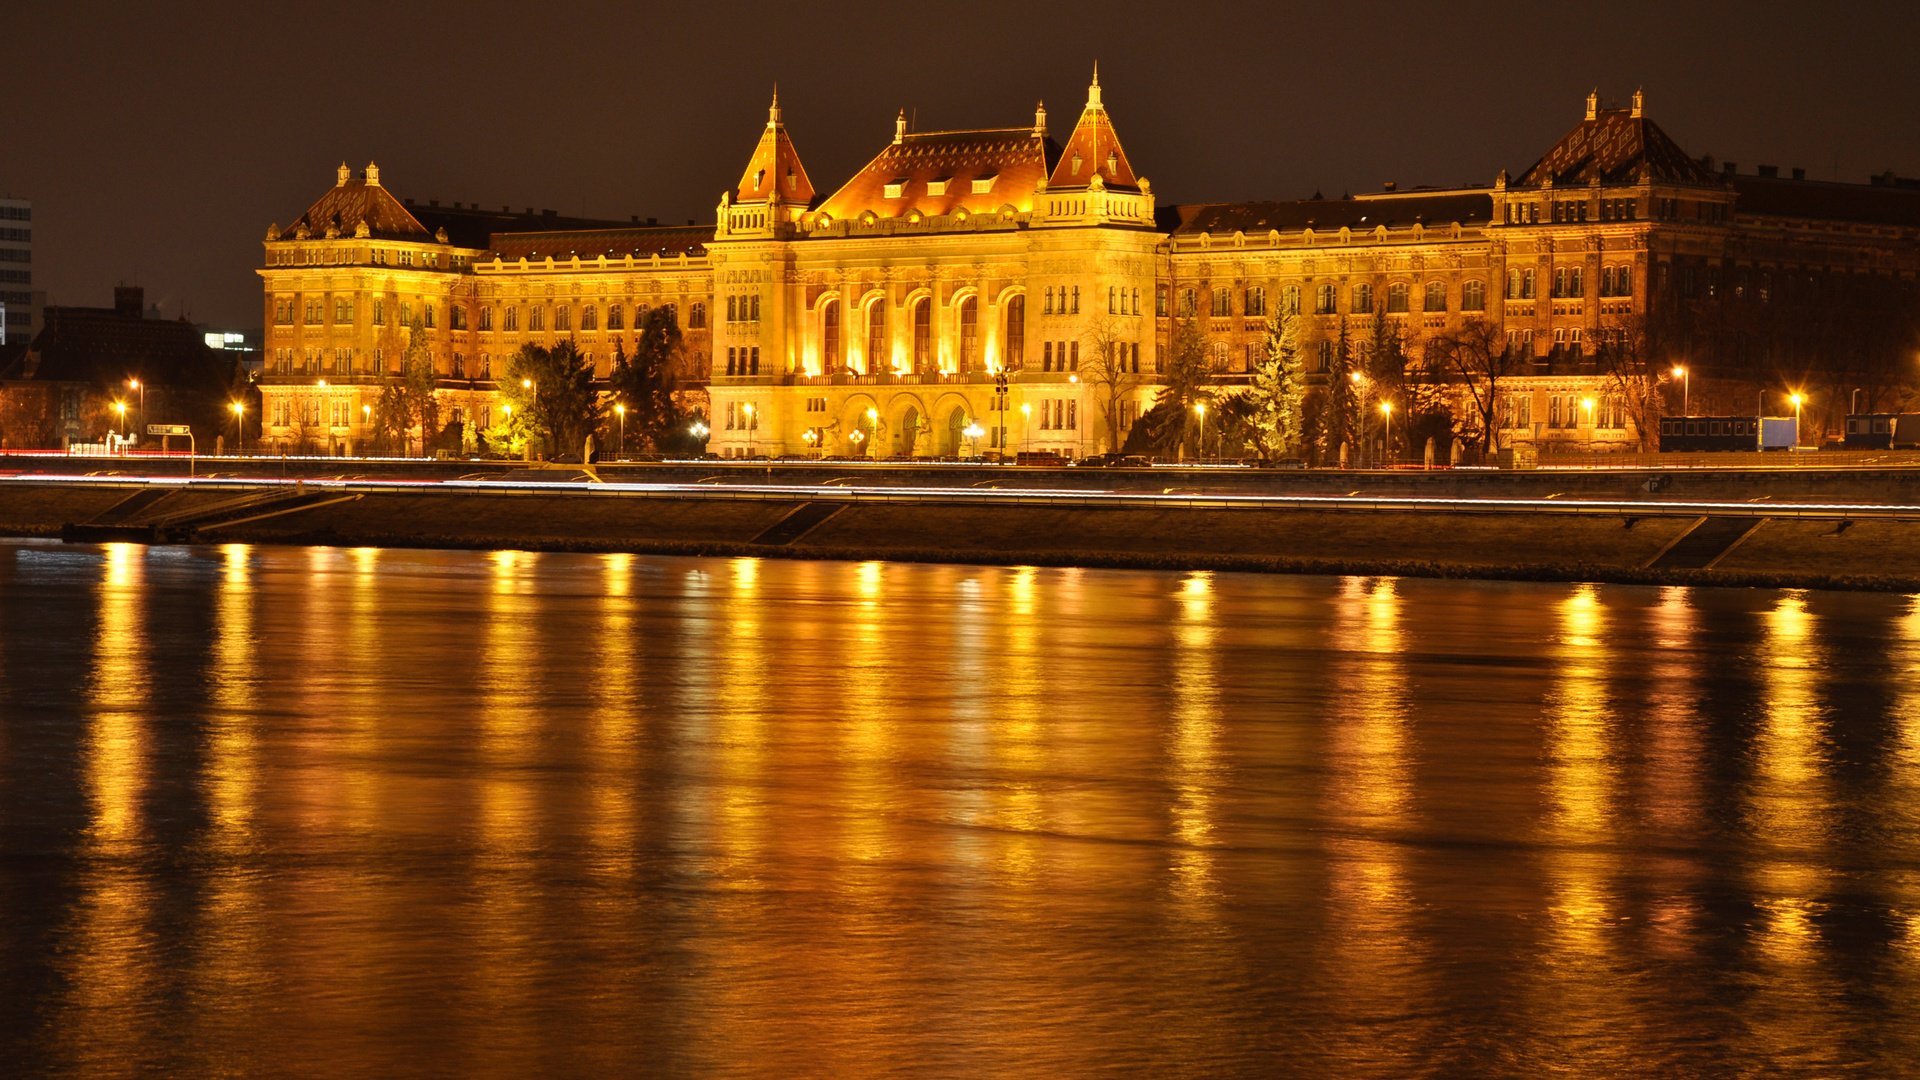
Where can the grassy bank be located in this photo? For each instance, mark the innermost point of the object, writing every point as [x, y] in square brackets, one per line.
[1874, 555]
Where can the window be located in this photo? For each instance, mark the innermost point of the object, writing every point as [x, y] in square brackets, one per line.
[589, 318]
[513, 318]
[1160, 301]
[1073, 361]
[1076, 300]
[459, 366]
[616, 317]
[1290, 300]
[1399, 298]
[429, 316]
[1189, 303]
[832, 356]
[1362, 299]
[486, 318]
[343, 311]
[733, 309]
[1219, 356]
[1324, 357]
[1222, 302]
[697, 316]
[969, 332]
[1016, 332]
[1520, 284]
[1046, 356]
[923, 335]
[1436, 298]
[1567, 283]
[1113, 300]
[1473, 296]
[563, 317]
[536, 318]
[1323, 300]
[1256, 302]
[406, 258]
[486, 367]
[877, 358]
[283, 311]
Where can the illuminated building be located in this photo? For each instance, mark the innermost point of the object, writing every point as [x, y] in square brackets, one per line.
[878, 319]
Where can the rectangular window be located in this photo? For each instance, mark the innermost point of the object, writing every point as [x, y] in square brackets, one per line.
[1222, 302]
[1160, 301]
[1323, 300]
[1256, 305]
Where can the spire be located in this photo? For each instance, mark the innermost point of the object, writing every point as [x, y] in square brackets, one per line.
[1593, 103]
[1040, 120]
[1093, 150]
[344, 174]
[1639, 103]
[900, 128]
[774, 171]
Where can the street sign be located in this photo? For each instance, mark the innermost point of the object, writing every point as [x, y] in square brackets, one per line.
[169, 429]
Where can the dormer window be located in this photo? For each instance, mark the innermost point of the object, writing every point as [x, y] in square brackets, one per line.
[1113, 162]
[793, 182]
[1076, 164]
[938, 187]
[896, 188]
[759, 179]
[984, 184]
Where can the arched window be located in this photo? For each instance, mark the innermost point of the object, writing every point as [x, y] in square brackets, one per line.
[616, 317]
[969, 332]
[1363, 299]
[589, 318]
[513, 318]
[1256, 301]
[536, 318]
[563, 318]
[1436, 298]
[1399, 297]
[877, 358]
[832, 357]
[1290, 300]
[1323, 301]
[486, 318]
[1016, 333]
[1473, 296]
[1222, 302]
[923, 335]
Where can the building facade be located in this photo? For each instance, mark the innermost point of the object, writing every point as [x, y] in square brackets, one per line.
[993, 290]
[20, 302]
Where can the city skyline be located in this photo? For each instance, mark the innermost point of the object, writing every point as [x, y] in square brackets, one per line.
[181, 215]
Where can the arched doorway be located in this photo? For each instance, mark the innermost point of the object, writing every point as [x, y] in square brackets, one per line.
[956, 428]
[911, 425]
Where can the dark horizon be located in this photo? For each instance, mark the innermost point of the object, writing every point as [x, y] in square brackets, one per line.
[157, 146]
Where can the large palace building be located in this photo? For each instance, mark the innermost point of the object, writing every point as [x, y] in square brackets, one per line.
[973, 290]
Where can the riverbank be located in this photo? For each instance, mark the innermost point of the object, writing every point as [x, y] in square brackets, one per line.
[1865, 554]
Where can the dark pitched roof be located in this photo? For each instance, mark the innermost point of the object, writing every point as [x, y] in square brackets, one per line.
[472, 227]
[1824, 201]
[1435, 210]
[1615, 146]
[640, 242]
[353, 201]
[1014, 159]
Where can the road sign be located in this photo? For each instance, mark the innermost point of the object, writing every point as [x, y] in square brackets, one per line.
[169, 429]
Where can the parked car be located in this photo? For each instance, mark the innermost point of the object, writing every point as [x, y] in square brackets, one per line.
[1117, 461]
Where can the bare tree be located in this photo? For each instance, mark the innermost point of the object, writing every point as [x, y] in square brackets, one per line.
[1476, 357]
[1110, 373]
[1633, 369]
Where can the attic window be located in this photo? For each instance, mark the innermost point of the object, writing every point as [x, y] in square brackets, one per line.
[1113, 162]
[938, 187]
[1076, 164]
[984, 184]
[793, 182]
[759, 179]
[896, 188]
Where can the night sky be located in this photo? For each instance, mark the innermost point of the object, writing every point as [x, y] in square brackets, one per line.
[158, 141]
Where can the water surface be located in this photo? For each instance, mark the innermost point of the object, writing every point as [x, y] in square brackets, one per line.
[358, 812]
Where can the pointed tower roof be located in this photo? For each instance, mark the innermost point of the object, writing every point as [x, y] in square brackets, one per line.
[775, 167]
[1615, 146]
[1093, 149]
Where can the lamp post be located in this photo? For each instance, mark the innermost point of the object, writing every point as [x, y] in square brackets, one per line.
[973, 433]
[1386, 435]
[1796, 399]
[1359, 381]
[1200, 410]
[1686, 388]
[136, 384]
[1587, 404]
[121, 408]
[620, 410]
[747, 408]
[239, 427]
[1026, 426]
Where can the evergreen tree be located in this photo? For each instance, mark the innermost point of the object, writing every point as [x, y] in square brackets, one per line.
[417, 405]
[551, 393]
[1274, 405]
[646, 381]
[1184, 378]
[1343, 403]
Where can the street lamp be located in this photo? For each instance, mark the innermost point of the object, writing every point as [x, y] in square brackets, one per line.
[1026, 426]
[747, 408]
[1200, 408]
[1587, 404]
[1796, 399]
[239, 427]
[620, 410]
[136, 384]
[973, 433]
[121, 408]
[1359, 380]
[366, 423]
[699, 430]
[1686, 388]
[1386, 420]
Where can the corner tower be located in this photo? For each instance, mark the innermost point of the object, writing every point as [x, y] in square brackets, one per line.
[774, 183]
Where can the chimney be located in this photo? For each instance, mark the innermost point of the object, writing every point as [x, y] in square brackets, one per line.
[128, 301]
[1770, 172]
[1389, 186]
[1799, 173]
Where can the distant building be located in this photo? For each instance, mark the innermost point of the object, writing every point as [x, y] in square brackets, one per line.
[20, 302]
[881, 319]
[86, 360]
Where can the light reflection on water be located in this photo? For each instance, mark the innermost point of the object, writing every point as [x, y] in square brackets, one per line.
[510, 813]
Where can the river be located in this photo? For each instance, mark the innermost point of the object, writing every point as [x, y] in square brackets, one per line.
[364, 812]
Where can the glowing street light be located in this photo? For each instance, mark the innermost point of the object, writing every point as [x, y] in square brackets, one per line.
[747, 408]
[1796, 399]
[121, 408]
[1200, 408]
[620, 410]
[1386, 419]
[699, 430]
[1026, 425]
[137, 385]
[1686, 388]
[973, 432]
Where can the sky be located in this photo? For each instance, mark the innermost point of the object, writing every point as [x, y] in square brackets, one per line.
[157, 141]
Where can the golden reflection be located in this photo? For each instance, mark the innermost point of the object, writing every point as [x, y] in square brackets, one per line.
[108, 964]
[233, 754]
[615, 734]
[1017, 738]
[867, 674]
[1906, 706]
[1194, 753]
[1676, 746]
[1791, 800]
[740, 689]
